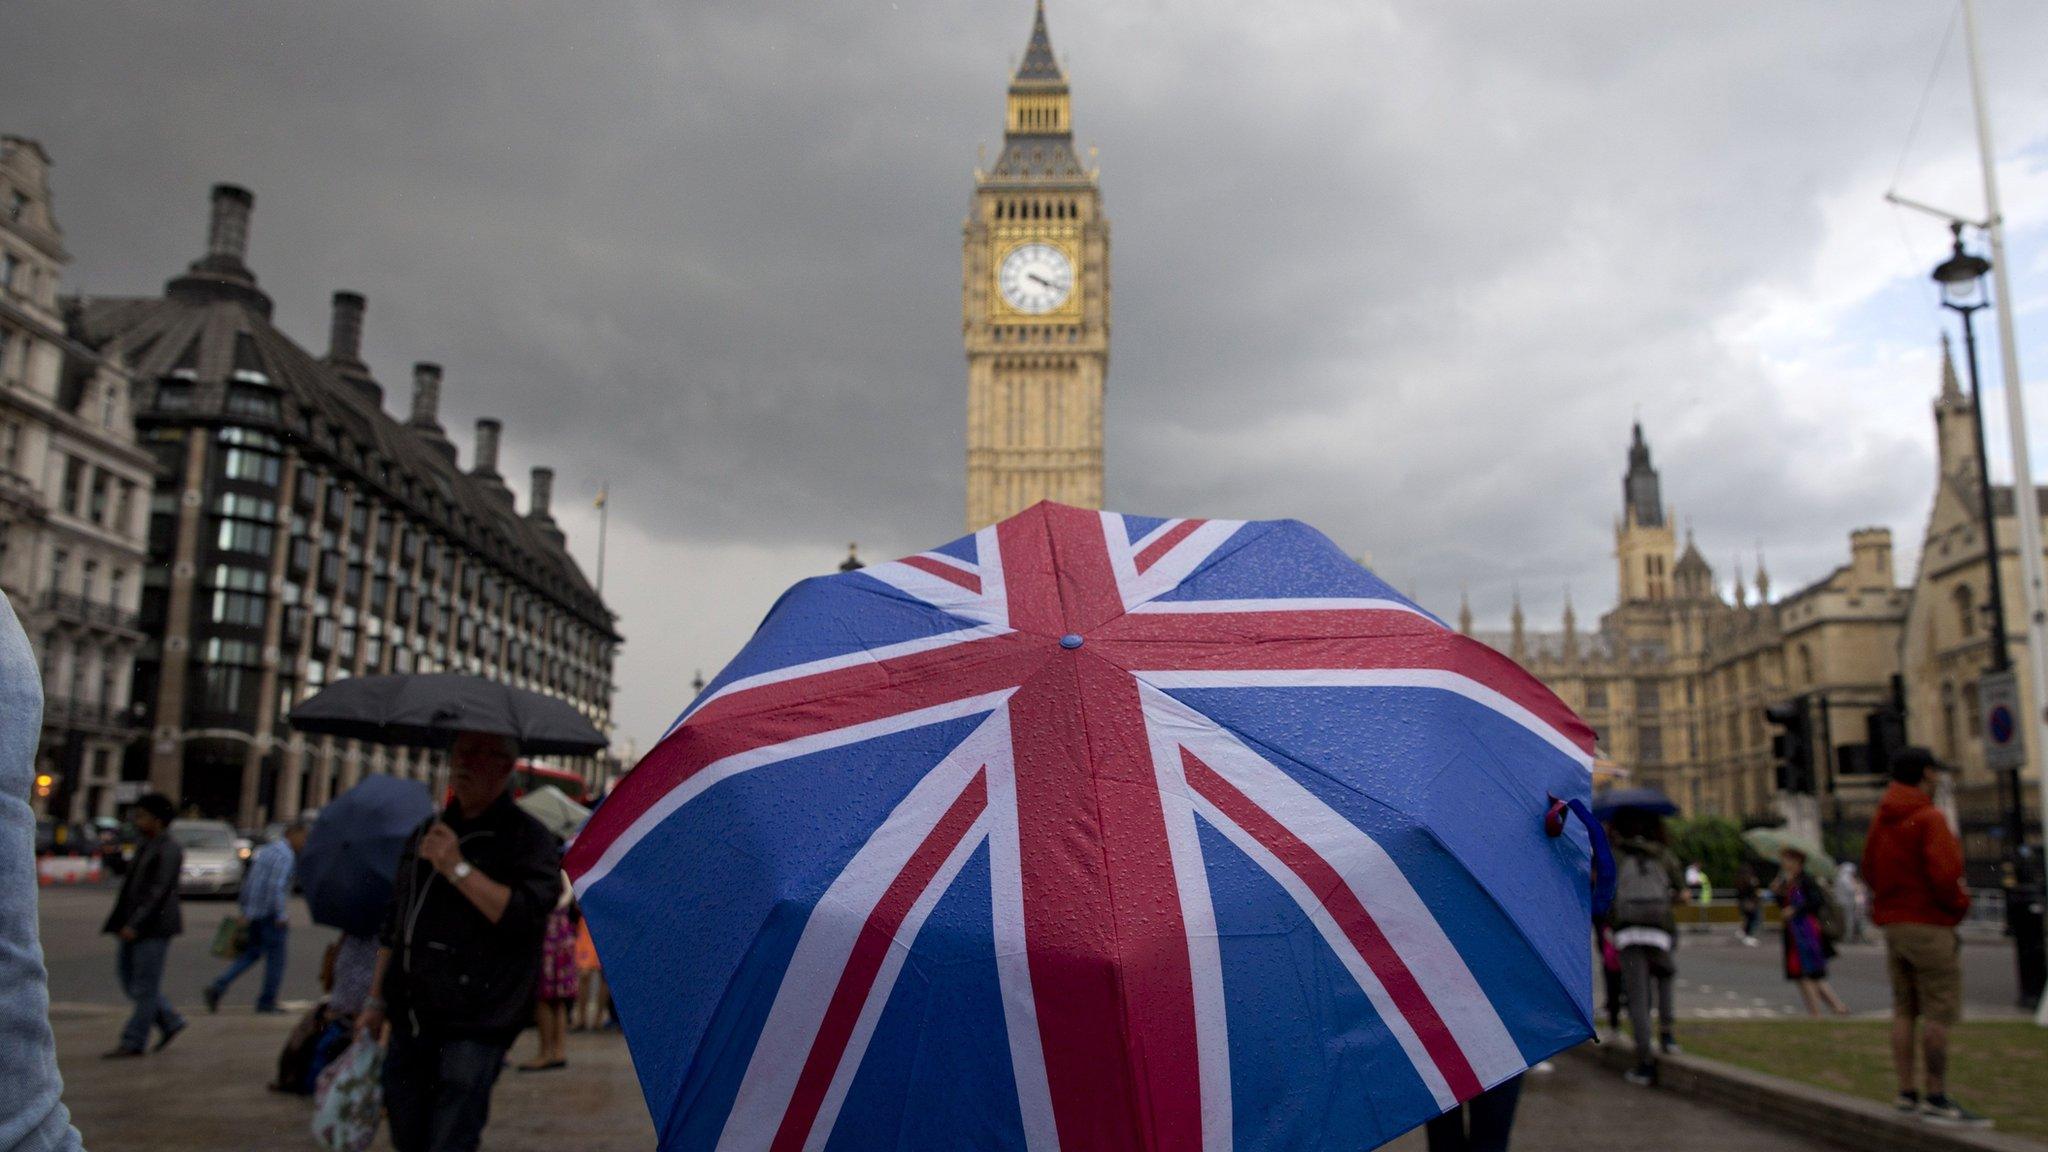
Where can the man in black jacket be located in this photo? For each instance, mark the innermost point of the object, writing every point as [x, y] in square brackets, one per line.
[145, 917]
[461, 951]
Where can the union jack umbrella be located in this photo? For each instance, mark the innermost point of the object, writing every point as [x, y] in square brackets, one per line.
[1096, 832]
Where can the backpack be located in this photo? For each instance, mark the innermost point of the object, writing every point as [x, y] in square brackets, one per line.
[1833, 918]
[1642, 891]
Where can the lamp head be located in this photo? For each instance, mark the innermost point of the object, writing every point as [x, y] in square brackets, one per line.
[1961, 276]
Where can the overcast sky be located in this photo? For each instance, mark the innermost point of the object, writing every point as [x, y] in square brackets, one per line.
[1404, 270]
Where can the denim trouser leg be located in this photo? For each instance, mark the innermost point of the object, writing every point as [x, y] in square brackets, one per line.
[266, 946]
[32, 1112]
[141, 966]
[438, 1092]
[274, 938]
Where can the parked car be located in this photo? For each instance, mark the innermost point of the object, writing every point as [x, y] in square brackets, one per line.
[62, 838]
[213, 860]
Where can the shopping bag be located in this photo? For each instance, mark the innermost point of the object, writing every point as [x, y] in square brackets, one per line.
[348, 1103]
[231, 939]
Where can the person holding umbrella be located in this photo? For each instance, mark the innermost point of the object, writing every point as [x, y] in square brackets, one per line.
[461, 951]
[1806, 943]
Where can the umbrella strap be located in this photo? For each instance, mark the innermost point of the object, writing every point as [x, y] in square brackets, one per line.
[1603, 855]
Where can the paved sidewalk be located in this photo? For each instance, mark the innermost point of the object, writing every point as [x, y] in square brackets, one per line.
[205, 1093]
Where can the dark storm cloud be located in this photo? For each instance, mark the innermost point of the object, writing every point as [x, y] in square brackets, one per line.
[1406, 271]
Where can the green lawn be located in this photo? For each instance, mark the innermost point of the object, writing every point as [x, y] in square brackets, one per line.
[1996, 1067]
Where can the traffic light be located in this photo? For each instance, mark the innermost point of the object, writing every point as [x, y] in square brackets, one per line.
[1792, 745]
[1887, 727]
[44, 782]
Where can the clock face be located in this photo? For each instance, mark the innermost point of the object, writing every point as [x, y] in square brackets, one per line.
[1036, 278]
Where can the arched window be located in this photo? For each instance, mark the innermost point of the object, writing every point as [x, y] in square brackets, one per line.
[1966, 610]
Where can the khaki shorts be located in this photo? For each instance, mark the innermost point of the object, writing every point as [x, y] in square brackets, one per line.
[1926, 965]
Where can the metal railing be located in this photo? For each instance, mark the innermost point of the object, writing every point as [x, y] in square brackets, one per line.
[84, 611]
[65, 712]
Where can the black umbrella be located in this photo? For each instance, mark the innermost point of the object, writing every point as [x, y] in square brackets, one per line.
[1606, 804]
[427, 711]
[351, 857]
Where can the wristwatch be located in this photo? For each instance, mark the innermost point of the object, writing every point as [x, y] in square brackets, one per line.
[461, 871]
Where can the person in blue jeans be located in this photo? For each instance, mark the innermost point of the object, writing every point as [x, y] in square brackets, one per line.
[145, 917]
[32, 1113]
[266, 893]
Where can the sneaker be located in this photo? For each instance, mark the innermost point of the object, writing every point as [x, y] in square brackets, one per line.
[1667, 1045]
[1642, 1076]
[1941, 1108]
[211, 996]
[1749, 941]
[1907, 1102]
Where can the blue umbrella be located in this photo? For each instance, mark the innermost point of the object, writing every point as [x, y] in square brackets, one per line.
[351, 857]
[1606, 804]
[1096, 832]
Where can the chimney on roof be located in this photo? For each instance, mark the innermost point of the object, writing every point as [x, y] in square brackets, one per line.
[221, 273]
[487, 432]
[426, 397]
[345, 347]
[345, 329]
[426, 409]
[537, 506]
[227, 229]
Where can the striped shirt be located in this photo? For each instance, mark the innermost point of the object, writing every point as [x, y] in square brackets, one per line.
[268, 884]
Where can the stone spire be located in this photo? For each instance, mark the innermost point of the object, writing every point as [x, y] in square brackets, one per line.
[1741, 589]
[1641, 490]
[1763, 580]
[1571, 627]
[1039, 64]
[1464, 613]
[1951, 389]
[1518, 644]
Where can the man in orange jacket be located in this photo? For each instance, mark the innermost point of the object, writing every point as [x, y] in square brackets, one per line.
[1913, 865]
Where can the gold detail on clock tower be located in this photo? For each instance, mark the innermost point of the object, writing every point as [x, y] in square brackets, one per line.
[1035, 306]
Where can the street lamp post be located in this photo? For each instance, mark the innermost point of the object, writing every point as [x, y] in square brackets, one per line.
[1961, 277]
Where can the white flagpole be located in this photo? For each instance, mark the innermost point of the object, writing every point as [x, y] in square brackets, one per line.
[2026, 508]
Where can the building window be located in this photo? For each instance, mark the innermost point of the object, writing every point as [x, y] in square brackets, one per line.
[117, 588]
[243, 536]
[1649, 698]
[60, 562]
[8, 266]
[239, 596]
[1966, 610]
[107, 397]
[258, 403]
[74, 484]
[1649, 745]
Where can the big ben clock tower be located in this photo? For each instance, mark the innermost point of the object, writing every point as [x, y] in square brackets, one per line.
[1035, 307]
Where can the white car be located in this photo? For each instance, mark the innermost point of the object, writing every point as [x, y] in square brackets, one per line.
[213, 866]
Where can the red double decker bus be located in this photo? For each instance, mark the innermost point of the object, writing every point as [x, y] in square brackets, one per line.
[527, 776]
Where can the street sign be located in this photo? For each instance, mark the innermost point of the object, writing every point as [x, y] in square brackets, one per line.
[1998, 698]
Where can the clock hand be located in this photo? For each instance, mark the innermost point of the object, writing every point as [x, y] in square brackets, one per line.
[1040, 279]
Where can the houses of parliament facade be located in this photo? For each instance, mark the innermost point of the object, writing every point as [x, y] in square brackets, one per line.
[1675, 677]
